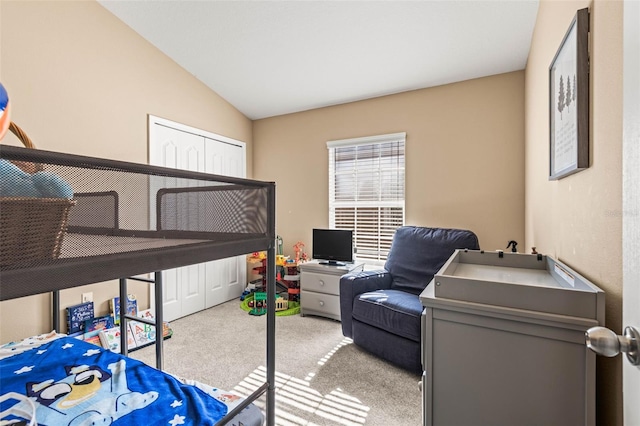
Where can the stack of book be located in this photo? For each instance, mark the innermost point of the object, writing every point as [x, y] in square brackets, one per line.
[105, 331]
[84, 325]
[139, 334]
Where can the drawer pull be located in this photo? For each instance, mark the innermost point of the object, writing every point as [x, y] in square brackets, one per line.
[321, 303]
[321, 282]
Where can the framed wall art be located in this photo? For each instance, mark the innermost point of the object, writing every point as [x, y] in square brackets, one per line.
[569, 101]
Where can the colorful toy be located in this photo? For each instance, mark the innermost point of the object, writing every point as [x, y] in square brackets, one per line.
[281, 304]
[5, 118]
[292, 280]
[299, 249]
[259, 303]
[14, 182]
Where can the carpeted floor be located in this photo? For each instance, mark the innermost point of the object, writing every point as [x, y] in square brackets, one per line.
[321, 377]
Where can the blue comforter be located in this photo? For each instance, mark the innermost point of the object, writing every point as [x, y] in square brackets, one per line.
[76, 383]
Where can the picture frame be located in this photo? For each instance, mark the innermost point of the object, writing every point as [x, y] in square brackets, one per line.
[569, 101]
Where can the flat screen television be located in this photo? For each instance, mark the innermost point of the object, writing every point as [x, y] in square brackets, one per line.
[332, 246]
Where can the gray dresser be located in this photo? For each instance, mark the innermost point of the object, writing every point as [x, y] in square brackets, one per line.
[320, 287]
[503, 342]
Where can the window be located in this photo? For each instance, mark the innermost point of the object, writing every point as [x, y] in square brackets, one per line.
[366, 191]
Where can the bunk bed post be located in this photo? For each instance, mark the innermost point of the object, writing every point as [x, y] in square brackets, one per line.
[55, 307]
[159, 319]
[271, 340]
[124, 344]
[271, 310]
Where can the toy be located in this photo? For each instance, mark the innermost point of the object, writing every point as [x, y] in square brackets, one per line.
[5, 118]
[292, 281]
[14, 182]
[260, 258]
[299, 249]
[283, 307]
[259, 303]
[281, 304]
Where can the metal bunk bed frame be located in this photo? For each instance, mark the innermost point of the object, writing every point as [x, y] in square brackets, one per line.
[53, 275]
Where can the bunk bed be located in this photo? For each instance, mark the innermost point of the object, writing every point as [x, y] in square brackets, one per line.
[129, 220]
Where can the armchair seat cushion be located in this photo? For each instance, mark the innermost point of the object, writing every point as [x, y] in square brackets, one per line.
[394, 311]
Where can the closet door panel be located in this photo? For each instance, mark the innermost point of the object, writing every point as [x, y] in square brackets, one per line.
[196, 287]
[183, 288]
[226, 277]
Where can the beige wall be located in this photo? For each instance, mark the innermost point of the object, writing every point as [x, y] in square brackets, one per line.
[578, 219]
[464, 164]
[80, 81]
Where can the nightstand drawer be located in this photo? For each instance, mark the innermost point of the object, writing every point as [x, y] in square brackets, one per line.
[322, 283]
[320, 304]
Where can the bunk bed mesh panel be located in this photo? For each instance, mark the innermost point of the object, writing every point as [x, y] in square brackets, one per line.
[158, 214]
[125, 219]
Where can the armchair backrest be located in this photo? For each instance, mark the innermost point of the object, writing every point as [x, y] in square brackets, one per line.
[417, 253]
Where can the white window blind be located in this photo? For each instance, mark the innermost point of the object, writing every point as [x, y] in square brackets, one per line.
[366, 191]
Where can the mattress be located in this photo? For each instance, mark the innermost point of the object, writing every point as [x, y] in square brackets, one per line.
[55, 380]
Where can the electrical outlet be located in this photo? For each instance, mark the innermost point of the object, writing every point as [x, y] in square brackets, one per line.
[87, 297]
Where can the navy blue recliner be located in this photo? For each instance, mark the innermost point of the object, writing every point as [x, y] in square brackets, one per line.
[381, 310]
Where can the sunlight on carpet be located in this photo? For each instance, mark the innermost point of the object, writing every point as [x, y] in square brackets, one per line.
[296, 397]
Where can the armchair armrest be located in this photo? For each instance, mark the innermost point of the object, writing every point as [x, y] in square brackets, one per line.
[354, 284]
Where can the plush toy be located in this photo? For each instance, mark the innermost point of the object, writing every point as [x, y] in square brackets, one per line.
[5, 120]
[16, 183]
[51, 185]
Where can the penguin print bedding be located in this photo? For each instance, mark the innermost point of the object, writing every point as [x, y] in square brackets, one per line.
[65, 381]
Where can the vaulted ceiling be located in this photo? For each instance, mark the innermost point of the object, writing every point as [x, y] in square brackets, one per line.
[270, 58]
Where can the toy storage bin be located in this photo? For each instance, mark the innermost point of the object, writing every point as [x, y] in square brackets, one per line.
[31, 228]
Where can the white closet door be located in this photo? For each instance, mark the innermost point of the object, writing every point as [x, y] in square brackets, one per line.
[196, 287]
[226, 277]
[183, 288]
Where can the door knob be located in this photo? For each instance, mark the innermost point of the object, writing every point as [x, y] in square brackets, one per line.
[605, 342]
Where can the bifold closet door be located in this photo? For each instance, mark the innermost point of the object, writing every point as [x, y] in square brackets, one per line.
[225, 278]
[196, 287]
[183, 288]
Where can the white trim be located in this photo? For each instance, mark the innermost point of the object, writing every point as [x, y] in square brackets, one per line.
[194, 130]
[391, 137]
[630, 200]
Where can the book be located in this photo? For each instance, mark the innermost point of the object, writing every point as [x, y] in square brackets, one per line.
[143, 334]
[110, 339]
[76, 316]
[94, 339]
[93, 325]
[148, 315]
[114, 306]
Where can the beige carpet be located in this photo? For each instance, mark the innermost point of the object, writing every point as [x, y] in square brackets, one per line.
[321, 377]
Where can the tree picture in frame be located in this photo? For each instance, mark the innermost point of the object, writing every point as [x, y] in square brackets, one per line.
[569, 101]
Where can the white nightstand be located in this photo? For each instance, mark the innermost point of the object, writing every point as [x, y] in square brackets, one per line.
[320, 287]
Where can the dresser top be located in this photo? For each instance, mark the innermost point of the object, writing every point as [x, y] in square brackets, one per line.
[324, 268]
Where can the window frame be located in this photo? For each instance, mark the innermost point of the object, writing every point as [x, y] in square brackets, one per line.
[379, 256]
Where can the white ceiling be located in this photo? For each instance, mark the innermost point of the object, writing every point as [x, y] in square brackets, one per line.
[269, 58]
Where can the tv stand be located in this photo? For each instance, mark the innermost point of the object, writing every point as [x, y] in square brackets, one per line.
[320, 287]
